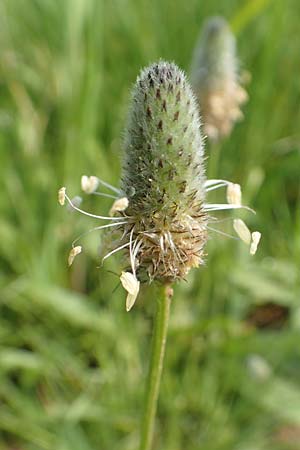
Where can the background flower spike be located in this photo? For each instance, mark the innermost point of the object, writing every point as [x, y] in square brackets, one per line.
[215, 79]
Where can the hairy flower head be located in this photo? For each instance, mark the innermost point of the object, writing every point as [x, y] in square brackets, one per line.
[163, 174]
[215, 78]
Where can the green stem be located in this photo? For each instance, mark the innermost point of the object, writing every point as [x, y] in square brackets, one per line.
[156, 365]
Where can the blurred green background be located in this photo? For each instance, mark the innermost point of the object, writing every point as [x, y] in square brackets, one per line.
[72, 362]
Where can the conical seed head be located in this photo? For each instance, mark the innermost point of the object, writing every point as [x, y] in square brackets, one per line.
[163, 173]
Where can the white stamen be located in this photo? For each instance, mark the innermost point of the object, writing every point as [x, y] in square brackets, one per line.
[234, 194]
[222, 206]
[129, 282]
[256, 235]
[132, 286]
[211, 185]
[131, 252]
[213, 182]
[62, 196]
[242, 230]
[221, 232]
[109, 186]
[103, 194]
[76, 201]
[115, 251]
[73, 253]
[101, 227]
[215, 220]
[136, 248]
[89, 184]
[89, 214]
[119, 205]
[217, 186]
[131, 298]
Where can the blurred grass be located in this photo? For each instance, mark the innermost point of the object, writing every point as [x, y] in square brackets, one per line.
[72, 362]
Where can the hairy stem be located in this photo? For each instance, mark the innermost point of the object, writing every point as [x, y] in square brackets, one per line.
[156, 365]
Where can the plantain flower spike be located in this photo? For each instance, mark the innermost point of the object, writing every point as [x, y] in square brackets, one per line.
[163, 175]
[215, 79]
[159, 218]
